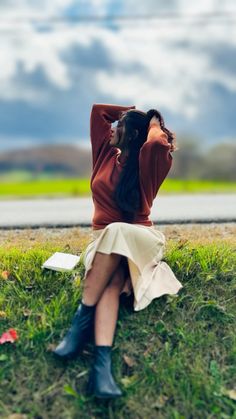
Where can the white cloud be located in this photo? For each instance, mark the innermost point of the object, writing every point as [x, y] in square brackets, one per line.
[153, 66]
[205, 6]
[30, 8]
[46, 9]
[180, 6]
[172, 76]
[35, 50]
[12, 91]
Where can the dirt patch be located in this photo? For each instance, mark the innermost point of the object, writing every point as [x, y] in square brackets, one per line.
[78, 237]
[201, 233]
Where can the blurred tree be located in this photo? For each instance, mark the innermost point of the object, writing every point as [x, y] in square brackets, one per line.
[187, 159]
[219, 163]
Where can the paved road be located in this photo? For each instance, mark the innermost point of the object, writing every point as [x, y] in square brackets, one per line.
[167, 209]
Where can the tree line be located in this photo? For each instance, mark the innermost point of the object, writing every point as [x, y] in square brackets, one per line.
[190, 161]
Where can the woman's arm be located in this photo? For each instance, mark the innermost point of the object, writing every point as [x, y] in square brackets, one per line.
[102, 116]
[155, 160]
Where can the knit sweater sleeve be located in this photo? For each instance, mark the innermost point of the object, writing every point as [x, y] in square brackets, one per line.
[102, 116]
[155, 161]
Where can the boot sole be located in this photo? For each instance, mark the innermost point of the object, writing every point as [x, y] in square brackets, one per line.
[70, 357]
[66, 357]
[99, 396]
[90, 392]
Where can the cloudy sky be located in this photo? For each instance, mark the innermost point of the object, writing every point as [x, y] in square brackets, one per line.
[58, 57]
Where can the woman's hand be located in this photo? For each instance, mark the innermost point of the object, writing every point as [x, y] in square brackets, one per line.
[155, 121]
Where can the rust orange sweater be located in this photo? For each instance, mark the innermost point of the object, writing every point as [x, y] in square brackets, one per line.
[155, 162]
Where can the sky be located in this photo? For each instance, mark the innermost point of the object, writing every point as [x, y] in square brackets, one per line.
[58, 57]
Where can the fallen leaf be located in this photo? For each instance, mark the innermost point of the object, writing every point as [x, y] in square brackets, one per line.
[13, 334]
[128, 380]
[51, 347]
[3, 314]
[16, 416]
[230, 393]
[160, 402]
[5, 274]
[129, 361]
[27, 312]
[148, 350]
[9, 336]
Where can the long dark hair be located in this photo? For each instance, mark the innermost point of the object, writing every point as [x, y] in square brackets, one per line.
[127, 194]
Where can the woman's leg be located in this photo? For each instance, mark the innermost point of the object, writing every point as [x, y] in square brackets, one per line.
[107, 308]
[99, 275]
[82, 323]
[101, 382]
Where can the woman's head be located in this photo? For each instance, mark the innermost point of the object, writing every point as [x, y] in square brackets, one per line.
[131, 130]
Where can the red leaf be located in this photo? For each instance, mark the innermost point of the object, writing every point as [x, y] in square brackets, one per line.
[5, 274]
[9, 336]
[13, 333]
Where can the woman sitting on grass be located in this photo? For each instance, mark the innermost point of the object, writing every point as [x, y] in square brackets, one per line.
[130, 162]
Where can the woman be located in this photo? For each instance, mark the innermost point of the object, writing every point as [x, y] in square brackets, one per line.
[130, 162]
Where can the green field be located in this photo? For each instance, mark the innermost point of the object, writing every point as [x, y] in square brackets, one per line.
[181, 349]
[81, 187]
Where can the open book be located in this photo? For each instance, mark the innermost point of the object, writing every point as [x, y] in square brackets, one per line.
[61, 262]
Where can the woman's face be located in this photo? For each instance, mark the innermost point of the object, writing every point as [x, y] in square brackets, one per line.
[117, 137]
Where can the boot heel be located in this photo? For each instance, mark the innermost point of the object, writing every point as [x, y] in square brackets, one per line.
[90, 386]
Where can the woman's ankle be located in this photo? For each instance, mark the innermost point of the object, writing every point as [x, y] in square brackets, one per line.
[103, 346]
[103, 342]
[87, 303]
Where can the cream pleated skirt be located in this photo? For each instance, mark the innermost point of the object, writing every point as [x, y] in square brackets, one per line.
[149, 276]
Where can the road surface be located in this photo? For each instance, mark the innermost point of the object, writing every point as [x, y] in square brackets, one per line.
[167, 209]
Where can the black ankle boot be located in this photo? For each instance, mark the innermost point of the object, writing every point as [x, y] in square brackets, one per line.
[101, 382]
[78, 334]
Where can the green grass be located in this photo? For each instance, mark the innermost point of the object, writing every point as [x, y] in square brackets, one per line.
[197, 186]
[183, 347]
[48, 187]
[81, 187]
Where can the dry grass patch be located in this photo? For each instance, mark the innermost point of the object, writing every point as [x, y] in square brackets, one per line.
[75, 238]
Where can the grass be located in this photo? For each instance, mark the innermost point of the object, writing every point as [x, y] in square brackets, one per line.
[181, 349]
[46, 187]
[81, 187]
